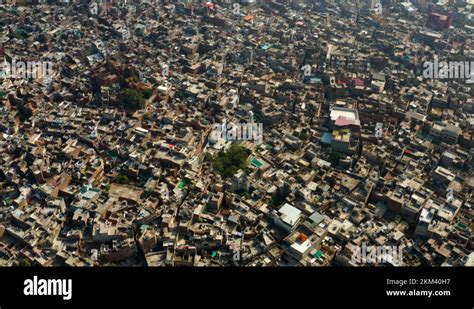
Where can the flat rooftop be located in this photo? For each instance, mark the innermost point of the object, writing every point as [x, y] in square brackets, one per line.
[289, 214]
[347, 113]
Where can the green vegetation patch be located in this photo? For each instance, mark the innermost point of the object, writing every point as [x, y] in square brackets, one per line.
[228, 163]
[122, 179]
[132, 99]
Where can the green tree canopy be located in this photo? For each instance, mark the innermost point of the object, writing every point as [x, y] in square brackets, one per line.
[228, 163]
[24, 262]
[147, 93]
[132, 99]
[122, 179]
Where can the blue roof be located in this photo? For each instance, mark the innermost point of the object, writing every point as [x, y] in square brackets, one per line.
[327, 138]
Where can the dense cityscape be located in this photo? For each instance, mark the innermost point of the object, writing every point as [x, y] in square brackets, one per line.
[236, 133]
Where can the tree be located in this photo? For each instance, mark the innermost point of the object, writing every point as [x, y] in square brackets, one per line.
[24, 263]
[122, 179]
[207, 156]
[147, 93]
[131, 99]
[228, 163]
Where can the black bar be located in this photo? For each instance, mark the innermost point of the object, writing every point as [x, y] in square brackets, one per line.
[115, 285]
